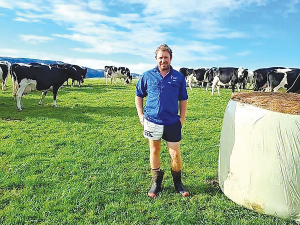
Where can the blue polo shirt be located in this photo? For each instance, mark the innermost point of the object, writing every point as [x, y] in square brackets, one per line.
[163, 94]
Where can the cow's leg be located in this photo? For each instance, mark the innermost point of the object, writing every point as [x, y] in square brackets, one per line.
[207, 86]
[19, 95]
[44, 93]
[15, 87]
[215, 81]
[190, 83]
[73, 83]
[233, 87]
[54, 96]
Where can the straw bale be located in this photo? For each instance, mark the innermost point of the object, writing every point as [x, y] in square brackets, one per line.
[288, 103]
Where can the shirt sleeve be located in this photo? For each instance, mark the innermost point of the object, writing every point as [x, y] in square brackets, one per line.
[182, 91]
[141, 87]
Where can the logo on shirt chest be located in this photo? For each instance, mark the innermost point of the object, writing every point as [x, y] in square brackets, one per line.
[174, 79]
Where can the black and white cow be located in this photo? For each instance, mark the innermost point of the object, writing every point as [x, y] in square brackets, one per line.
[242, 77]
[293, 78]
[42, 77]
[186, 71]
[283, 78]
[123, 73]
[224, 76]
[5, 68]
[250, 79]
[108, 71]
[201, 75]
[209, 76]
[78, 68]
[260, 77]
[117, 72]
[189, 75]
[196, 76]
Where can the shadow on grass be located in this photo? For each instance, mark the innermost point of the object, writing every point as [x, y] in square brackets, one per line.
[78, 112]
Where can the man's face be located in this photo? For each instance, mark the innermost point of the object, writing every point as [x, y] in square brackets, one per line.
[163, 60]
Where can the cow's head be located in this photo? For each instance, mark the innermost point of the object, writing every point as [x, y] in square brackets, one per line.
[76, 72]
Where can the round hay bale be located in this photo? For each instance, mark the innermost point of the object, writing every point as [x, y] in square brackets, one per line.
[259, 154]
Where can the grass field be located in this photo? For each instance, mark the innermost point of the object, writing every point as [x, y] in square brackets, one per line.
[86, 162]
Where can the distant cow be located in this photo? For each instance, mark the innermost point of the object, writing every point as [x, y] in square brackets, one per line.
[242, 77]
[196, 76]
[201, 75]
[42, 77]
[209, 76]
[123, 73]
[78, 68]
[5, 67]
[224, 76]
[250, 80]
[108, 71]
[113, 73]
[186, 71]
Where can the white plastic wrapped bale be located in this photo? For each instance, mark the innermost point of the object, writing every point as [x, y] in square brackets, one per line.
[259, 154]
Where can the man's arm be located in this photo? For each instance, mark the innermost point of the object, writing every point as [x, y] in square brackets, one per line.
[139, 108]
[182, 110]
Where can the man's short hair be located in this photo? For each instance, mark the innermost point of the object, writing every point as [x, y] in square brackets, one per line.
[163, 47]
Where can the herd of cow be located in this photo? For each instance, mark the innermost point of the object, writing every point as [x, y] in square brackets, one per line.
[265, 79]
[40, 77]
[44, 77]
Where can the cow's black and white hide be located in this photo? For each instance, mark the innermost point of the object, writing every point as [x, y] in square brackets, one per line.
[122, 73]
[260, 77]
[186, 72]
[277, 79]
[5, 68]
[108, 71]
[293, 78]
[242, 78]
[209, 76]
[283, 78]
[224, 76]
[115, 73]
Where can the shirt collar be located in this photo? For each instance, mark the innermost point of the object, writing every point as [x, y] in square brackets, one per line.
[157, 70]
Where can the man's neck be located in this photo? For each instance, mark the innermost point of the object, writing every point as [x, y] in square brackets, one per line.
[164, 72]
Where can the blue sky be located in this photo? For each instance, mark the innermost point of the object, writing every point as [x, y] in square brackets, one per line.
[201, 33]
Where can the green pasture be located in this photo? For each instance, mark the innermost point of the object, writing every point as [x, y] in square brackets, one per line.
[86, 161]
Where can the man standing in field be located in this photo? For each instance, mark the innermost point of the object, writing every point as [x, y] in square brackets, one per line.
[166, 93]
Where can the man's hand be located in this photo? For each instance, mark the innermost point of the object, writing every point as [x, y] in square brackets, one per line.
[141, 117]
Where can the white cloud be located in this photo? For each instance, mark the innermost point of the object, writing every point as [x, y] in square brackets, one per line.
[101, 30]
[35, 39]
[5, 4]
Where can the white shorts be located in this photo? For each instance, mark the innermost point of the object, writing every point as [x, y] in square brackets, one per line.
[153, 131]
[170, 133]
